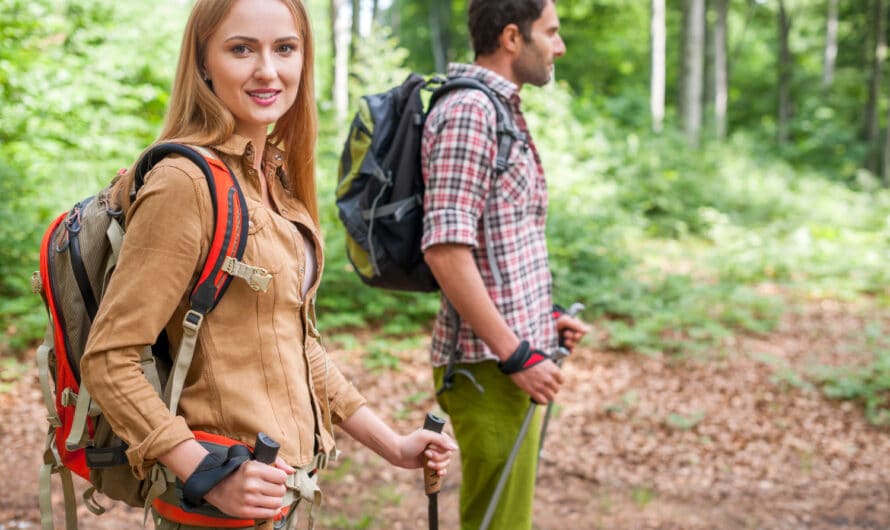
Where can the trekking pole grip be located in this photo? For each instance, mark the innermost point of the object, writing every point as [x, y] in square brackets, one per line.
[265, 449]
[431, 481]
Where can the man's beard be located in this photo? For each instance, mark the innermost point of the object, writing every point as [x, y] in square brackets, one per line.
[530, 68]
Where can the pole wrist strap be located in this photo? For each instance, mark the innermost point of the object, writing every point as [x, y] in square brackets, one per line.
[523, 358]
[210, 472]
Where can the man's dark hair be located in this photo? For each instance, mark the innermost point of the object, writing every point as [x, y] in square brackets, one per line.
[488, 18]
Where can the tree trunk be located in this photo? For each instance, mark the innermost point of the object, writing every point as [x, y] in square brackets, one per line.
[784, 75]
[872, 108]
[395, 17]
[440, 17]
[657, 81]
[886, 165]
[356, 29]
[693, 67]
[721, 70]
[830, 45]
[708, 71]
[375, 11]
[340, 37]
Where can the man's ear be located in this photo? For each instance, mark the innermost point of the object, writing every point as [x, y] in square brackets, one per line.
[511, 38]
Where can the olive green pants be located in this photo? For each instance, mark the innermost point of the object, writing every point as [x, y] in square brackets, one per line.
[485, 426]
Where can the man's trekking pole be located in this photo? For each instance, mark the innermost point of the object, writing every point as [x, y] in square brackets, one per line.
[431, 481]
[502, 480]
[557, 357]
[561, 353]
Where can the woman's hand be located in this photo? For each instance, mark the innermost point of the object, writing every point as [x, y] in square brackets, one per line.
[413, 450]
[254, 491]
[406, 451]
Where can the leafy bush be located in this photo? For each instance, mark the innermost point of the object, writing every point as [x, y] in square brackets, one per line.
[869, 384]
[75, 110]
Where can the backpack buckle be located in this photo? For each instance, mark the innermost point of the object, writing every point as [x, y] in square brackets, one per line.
[192, 321]
[257, 278]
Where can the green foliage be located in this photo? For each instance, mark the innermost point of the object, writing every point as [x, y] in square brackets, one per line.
[76, 108]
[868, 384]
[684, 422]
[642, 496]
[784, 375]
[626, 403]
[11, 370]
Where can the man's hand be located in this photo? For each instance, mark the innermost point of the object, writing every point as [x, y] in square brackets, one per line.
[541, 381]
[254, 491]
[570, 331]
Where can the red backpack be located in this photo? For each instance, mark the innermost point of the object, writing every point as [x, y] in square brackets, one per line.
[77, 257]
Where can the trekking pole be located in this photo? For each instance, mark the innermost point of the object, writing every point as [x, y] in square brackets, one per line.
[431, 481]
[558, 356]
[502, 480]
[265, 450]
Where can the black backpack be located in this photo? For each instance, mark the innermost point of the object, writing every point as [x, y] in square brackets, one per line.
[380, 183]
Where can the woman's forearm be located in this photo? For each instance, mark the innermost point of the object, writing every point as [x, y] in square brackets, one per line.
[368, 429]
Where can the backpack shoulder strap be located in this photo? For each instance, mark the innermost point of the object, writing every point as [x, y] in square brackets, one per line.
[226, 250]
[507, 131]
[229, 213]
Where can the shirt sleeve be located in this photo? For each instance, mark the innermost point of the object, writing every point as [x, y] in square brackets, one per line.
[343, 399]
[158, 260]
[457, 157]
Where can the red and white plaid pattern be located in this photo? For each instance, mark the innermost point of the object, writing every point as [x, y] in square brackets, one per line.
[458, 155]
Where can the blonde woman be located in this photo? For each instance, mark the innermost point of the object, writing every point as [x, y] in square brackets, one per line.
[244, 93]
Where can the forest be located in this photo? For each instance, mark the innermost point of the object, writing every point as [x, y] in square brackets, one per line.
[718, 170]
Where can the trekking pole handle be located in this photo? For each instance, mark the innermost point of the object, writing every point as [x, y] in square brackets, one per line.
[265, 449]
[431, 482]
[575, 308]
[562, 352]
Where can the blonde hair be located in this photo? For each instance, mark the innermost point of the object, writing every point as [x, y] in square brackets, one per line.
[196, 116]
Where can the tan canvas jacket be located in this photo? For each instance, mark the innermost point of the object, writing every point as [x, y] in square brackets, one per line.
[258, 364]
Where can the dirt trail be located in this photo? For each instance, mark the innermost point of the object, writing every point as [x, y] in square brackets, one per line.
[638, 443]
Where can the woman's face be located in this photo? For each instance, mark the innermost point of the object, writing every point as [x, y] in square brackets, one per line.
[254, 61]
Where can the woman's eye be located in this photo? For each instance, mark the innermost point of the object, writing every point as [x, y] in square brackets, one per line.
[287, 48]
[240, 49]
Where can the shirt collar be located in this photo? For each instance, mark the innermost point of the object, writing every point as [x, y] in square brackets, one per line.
[239, 146]
[499, 84]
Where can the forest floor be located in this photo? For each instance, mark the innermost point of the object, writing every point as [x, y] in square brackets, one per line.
[731, 439]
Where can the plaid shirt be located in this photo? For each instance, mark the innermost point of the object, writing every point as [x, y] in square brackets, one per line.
[458, 153]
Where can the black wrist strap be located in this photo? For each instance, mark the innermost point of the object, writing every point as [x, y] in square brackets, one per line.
[523, 358]
[210, 472]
